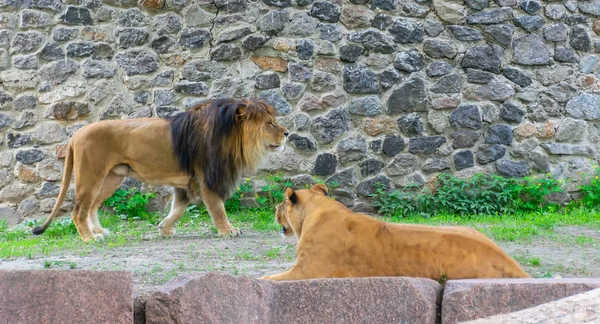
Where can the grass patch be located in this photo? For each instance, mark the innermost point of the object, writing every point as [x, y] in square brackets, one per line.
[62, 235]
[273, 252]
[125, 231]
[257, 219]
[246, 256]
[532, 261]
[518, 227]
[585, 241]
[580, 240]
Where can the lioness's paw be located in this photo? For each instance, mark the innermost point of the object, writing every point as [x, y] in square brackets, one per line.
[166, 232]
[98, 237]
[265, 278]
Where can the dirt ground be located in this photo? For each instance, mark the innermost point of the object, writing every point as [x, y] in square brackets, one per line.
[154, 261]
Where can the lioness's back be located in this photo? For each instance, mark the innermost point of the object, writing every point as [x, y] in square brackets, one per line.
[460, 250]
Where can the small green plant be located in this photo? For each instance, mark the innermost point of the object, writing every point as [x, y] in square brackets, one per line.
[72, 265]
[3, 225]
[246, 256]
[591, 190]
[443, 280]
[47, 264]
[389, 203]
[548, 274]
[156, 268]
[273, 190]
[273, 252]
[268, 196]
[533, 261]
[131, 204]
[234, 202]
[290, 254]
[180, 265]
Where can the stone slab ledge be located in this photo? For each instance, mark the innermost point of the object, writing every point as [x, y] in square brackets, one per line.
[466, 300]
[220, 298]
[580, 308]
[71, 296]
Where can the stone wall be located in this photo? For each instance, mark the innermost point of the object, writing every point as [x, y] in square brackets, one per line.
[393, 91]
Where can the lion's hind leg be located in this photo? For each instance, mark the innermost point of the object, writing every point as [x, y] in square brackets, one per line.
[80, 214]
[178, 205]
[110, 184]
[89, 174]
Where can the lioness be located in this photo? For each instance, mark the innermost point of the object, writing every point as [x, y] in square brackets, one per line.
[333, 241]
[200, 152]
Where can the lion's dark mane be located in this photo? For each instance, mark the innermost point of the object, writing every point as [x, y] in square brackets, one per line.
[202, 139]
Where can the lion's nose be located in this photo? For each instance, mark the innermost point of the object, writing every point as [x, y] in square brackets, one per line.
[286, 134]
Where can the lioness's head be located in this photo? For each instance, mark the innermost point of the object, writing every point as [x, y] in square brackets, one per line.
[257, 118]
[291, 212]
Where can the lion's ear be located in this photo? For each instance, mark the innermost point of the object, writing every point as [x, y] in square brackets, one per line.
[291, 195]
[320, 188]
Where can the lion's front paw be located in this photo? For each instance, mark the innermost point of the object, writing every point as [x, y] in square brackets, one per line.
[265, 278]
[231, 232]
[166, 232]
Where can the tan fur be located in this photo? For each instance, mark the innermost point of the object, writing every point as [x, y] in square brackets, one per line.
[102, 154]
[333, 241]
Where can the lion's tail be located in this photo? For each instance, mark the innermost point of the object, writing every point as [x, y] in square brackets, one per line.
[66, 181]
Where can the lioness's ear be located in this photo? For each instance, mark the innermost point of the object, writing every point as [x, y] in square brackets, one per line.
[291, 195]
[320, 188]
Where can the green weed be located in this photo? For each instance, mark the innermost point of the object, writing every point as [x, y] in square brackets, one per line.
[273, 252]
[591, 190]
[479, 195]
[533, 261]
[547, 275]
[272, 193]
[131, 204]
[246, 256]
[269, 194]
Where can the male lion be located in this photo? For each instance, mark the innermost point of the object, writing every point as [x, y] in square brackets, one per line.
[200, 152]
[333, 241]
